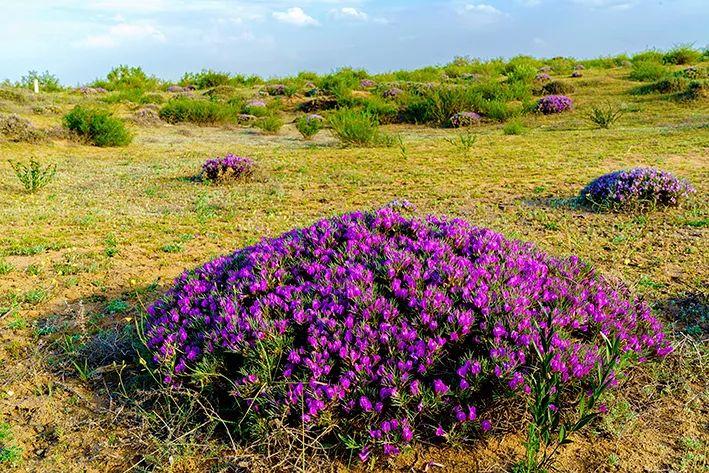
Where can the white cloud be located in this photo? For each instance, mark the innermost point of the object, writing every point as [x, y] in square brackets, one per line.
[122, 33]
[483, 8]
[607, 4]
[349, 13]
[295, 16]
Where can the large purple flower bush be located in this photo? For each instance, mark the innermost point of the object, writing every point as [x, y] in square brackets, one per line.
[392, 327]
[637, 187]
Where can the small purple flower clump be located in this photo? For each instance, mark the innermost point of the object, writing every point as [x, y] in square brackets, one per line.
[464, 119]
[638, 187]
[367, 83]
[554, 104]
[390, 327]
[256, 103]
[542, 77]
[227, 167]
[392, 93]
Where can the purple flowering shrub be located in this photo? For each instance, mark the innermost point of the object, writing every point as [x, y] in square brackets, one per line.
[461, 119]
[637, 187]
[554, 104]
[542, 77]
[367, 83]
[392, 93]
[391, 327]
[227, 167]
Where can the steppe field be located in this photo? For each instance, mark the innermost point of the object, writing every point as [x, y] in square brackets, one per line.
[312, 363]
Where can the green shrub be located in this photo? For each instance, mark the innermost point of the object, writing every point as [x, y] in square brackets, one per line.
[696, 89]
[522, 73]
[309, 125]
[557, 87]
[201, 112]
[606, 62]
[206, 79]
[561, 65]
[651, 55]
[646, 71]
[33, 176]
[270, 124]
[98, 126]
[684, 54]
[495, 110]
[385, 111]
[668, 85]
[47, 82]
[125, 77]
[357, 128]
[514, 127]
[605, 115]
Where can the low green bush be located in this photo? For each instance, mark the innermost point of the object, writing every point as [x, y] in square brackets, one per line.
[695, 90]
[34, 176]
[668, 85]
[99, 126]
[684, 54]
[514, 127]
[270, 124]
[309, 125]
[201, 112]
[605, 115]
[556, 87]
[355, 127]
[125, 77]
[646, 71]
[651, 55]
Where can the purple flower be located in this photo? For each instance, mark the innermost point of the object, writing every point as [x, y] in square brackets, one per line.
[378, 311]
[542, 77]
[439, 387]
[256, 103]
[554, 104]
[227, 167]
[392, 93]
[461, 119]
[637, 187]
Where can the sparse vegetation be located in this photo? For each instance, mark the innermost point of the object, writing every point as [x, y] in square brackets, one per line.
[34, 176]
[357, 128]
[605, 115]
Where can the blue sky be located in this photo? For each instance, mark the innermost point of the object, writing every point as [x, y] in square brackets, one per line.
[81, 40]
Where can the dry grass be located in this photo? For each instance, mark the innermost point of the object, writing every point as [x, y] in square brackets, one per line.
[119, 224]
